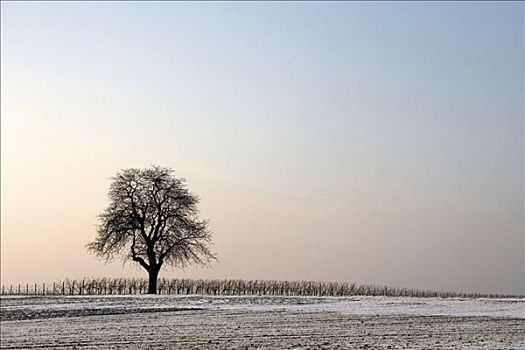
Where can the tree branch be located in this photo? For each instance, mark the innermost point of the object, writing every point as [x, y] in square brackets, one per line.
[137, 258]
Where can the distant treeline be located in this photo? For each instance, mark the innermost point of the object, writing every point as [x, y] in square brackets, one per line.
[123, 286]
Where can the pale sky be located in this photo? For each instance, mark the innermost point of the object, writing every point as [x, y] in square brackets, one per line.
[363, 142]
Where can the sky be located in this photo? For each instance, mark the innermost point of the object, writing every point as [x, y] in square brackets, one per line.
[364, 142]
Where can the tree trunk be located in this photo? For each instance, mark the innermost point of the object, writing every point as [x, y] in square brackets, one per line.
[152, 285]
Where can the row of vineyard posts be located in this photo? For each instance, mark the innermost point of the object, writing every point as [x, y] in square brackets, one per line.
[129, 286]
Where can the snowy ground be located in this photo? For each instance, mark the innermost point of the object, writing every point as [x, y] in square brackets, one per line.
[203, 322]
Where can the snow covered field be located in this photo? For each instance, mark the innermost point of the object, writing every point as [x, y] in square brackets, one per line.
[244, 322]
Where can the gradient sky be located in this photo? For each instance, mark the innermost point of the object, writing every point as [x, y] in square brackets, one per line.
[365, 142]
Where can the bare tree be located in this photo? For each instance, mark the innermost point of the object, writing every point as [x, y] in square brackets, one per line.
[152, 219]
